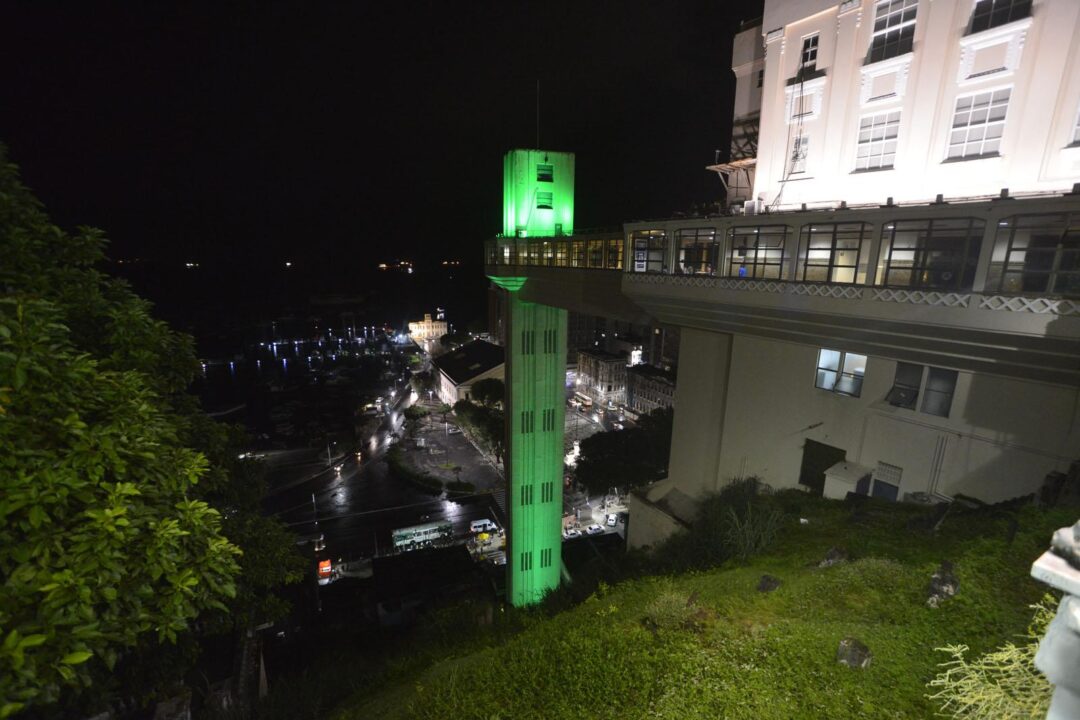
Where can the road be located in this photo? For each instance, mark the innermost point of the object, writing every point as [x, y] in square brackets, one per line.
[357, 508]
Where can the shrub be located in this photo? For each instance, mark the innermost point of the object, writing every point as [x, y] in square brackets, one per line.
[671, 610]
[1003, 683]
[750, 532]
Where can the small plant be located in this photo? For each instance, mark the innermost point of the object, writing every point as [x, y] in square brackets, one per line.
[1001, 684]
[750, 532]
[672, 610]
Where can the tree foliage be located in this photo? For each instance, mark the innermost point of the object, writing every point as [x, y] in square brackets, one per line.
[100, 539]
[422, 382]
[632, 457]
[489, 391]
[123, 508]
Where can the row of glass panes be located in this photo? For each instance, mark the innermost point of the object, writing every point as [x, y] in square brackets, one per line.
[599, 254]
[1031, 253]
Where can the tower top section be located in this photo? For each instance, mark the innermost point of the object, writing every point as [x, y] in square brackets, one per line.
[538, 193]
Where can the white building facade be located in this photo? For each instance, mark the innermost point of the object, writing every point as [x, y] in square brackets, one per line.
[863, 100]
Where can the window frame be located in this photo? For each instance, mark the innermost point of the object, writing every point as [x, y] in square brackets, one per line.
[545, 200]
[799, 150]
[809, 54]
[985, 125]
[703, 247]
[840, 372]
[990, 9]
[871, 141]
[650, 250]
[1000, 272]
[545, 172]
[924, 249]
[762, 258]
[892, 39]
[839, 230]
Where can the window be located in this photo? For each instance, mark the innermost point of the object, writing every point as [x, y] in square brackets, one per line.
[906, 384]
[760, 78]
[894, 29]
[932, 254]
[577, 253]
[830, 252]
[526, 494]
[1037, 254]
[757, 252]
[596, 253]
[799, 149]
[545, 558]
[940, 386]
[543, 201]
[978, 124]
[808, 60]
[877, 141]
[697, 250]
[840, 372]
[650, 251]
[544, 173]
[991, 13]
[937, 393]
[526, 561]
[614, 254]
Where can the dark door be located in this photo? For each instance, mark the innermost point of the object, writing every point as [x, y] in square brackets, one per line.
[816, 459]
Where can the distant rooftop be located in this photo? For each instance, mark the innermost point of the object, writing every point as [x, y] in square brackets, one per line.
[469, 360]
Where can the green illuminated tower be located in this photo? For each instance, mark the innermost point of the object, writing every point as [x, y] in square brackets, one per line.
[538, 200]
[538, 193]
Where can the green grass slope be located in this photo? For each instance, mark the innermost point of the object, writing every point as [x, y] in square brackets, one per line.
[707, 644]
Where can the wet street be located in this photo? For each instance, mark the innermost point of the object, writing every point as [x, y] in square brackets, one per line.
[357, 507]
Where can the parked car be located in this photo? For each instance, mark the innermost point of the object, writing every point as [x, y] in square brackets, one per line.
[618, 426]
[594, 529]
[612, 520]
[572, 533]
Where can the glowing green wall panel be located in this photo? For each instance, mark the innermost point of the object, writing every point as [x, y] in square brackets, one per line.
[527, 192]
[536, 403]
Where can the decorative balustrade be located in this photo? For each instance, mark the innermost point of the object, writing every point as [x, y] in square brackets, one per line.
[932, 298]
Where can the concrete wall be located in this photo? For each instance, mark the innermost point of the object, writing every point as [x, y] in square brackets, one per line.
[1002, 436]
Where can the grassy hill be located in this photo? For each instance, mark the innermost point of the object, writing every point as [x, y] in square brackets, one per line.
[707, 644]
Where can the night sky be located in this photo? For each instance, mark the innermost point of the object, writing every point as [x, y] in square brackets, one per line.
[242, 135]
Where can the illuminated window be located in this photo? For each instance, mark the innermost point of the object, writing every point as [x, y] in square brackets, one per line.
[757, 252]
[697, 250]
[830, 252]
[894, 29]
[650, 251]
[614, 259]
[936, 254]
[991, 13]
[544, 173]
[1037, 254]
[978, 124]
[800, 146]
[877, 141]
[543, 201]
[808, 61]
[840, 372]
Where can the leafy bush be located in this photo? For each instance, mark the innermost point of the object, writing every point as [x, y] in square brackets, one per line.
[1001, 684]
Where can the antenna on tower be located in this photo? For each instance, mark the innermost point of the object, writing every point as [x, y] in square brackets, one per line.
[537, 113]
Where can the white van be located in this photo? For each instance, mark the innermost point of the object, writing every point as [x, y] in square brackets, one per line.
[485, 525]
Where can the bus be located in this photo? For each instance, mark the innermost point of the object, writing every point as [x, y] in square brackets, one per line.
[584, 400]
[419, 536]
